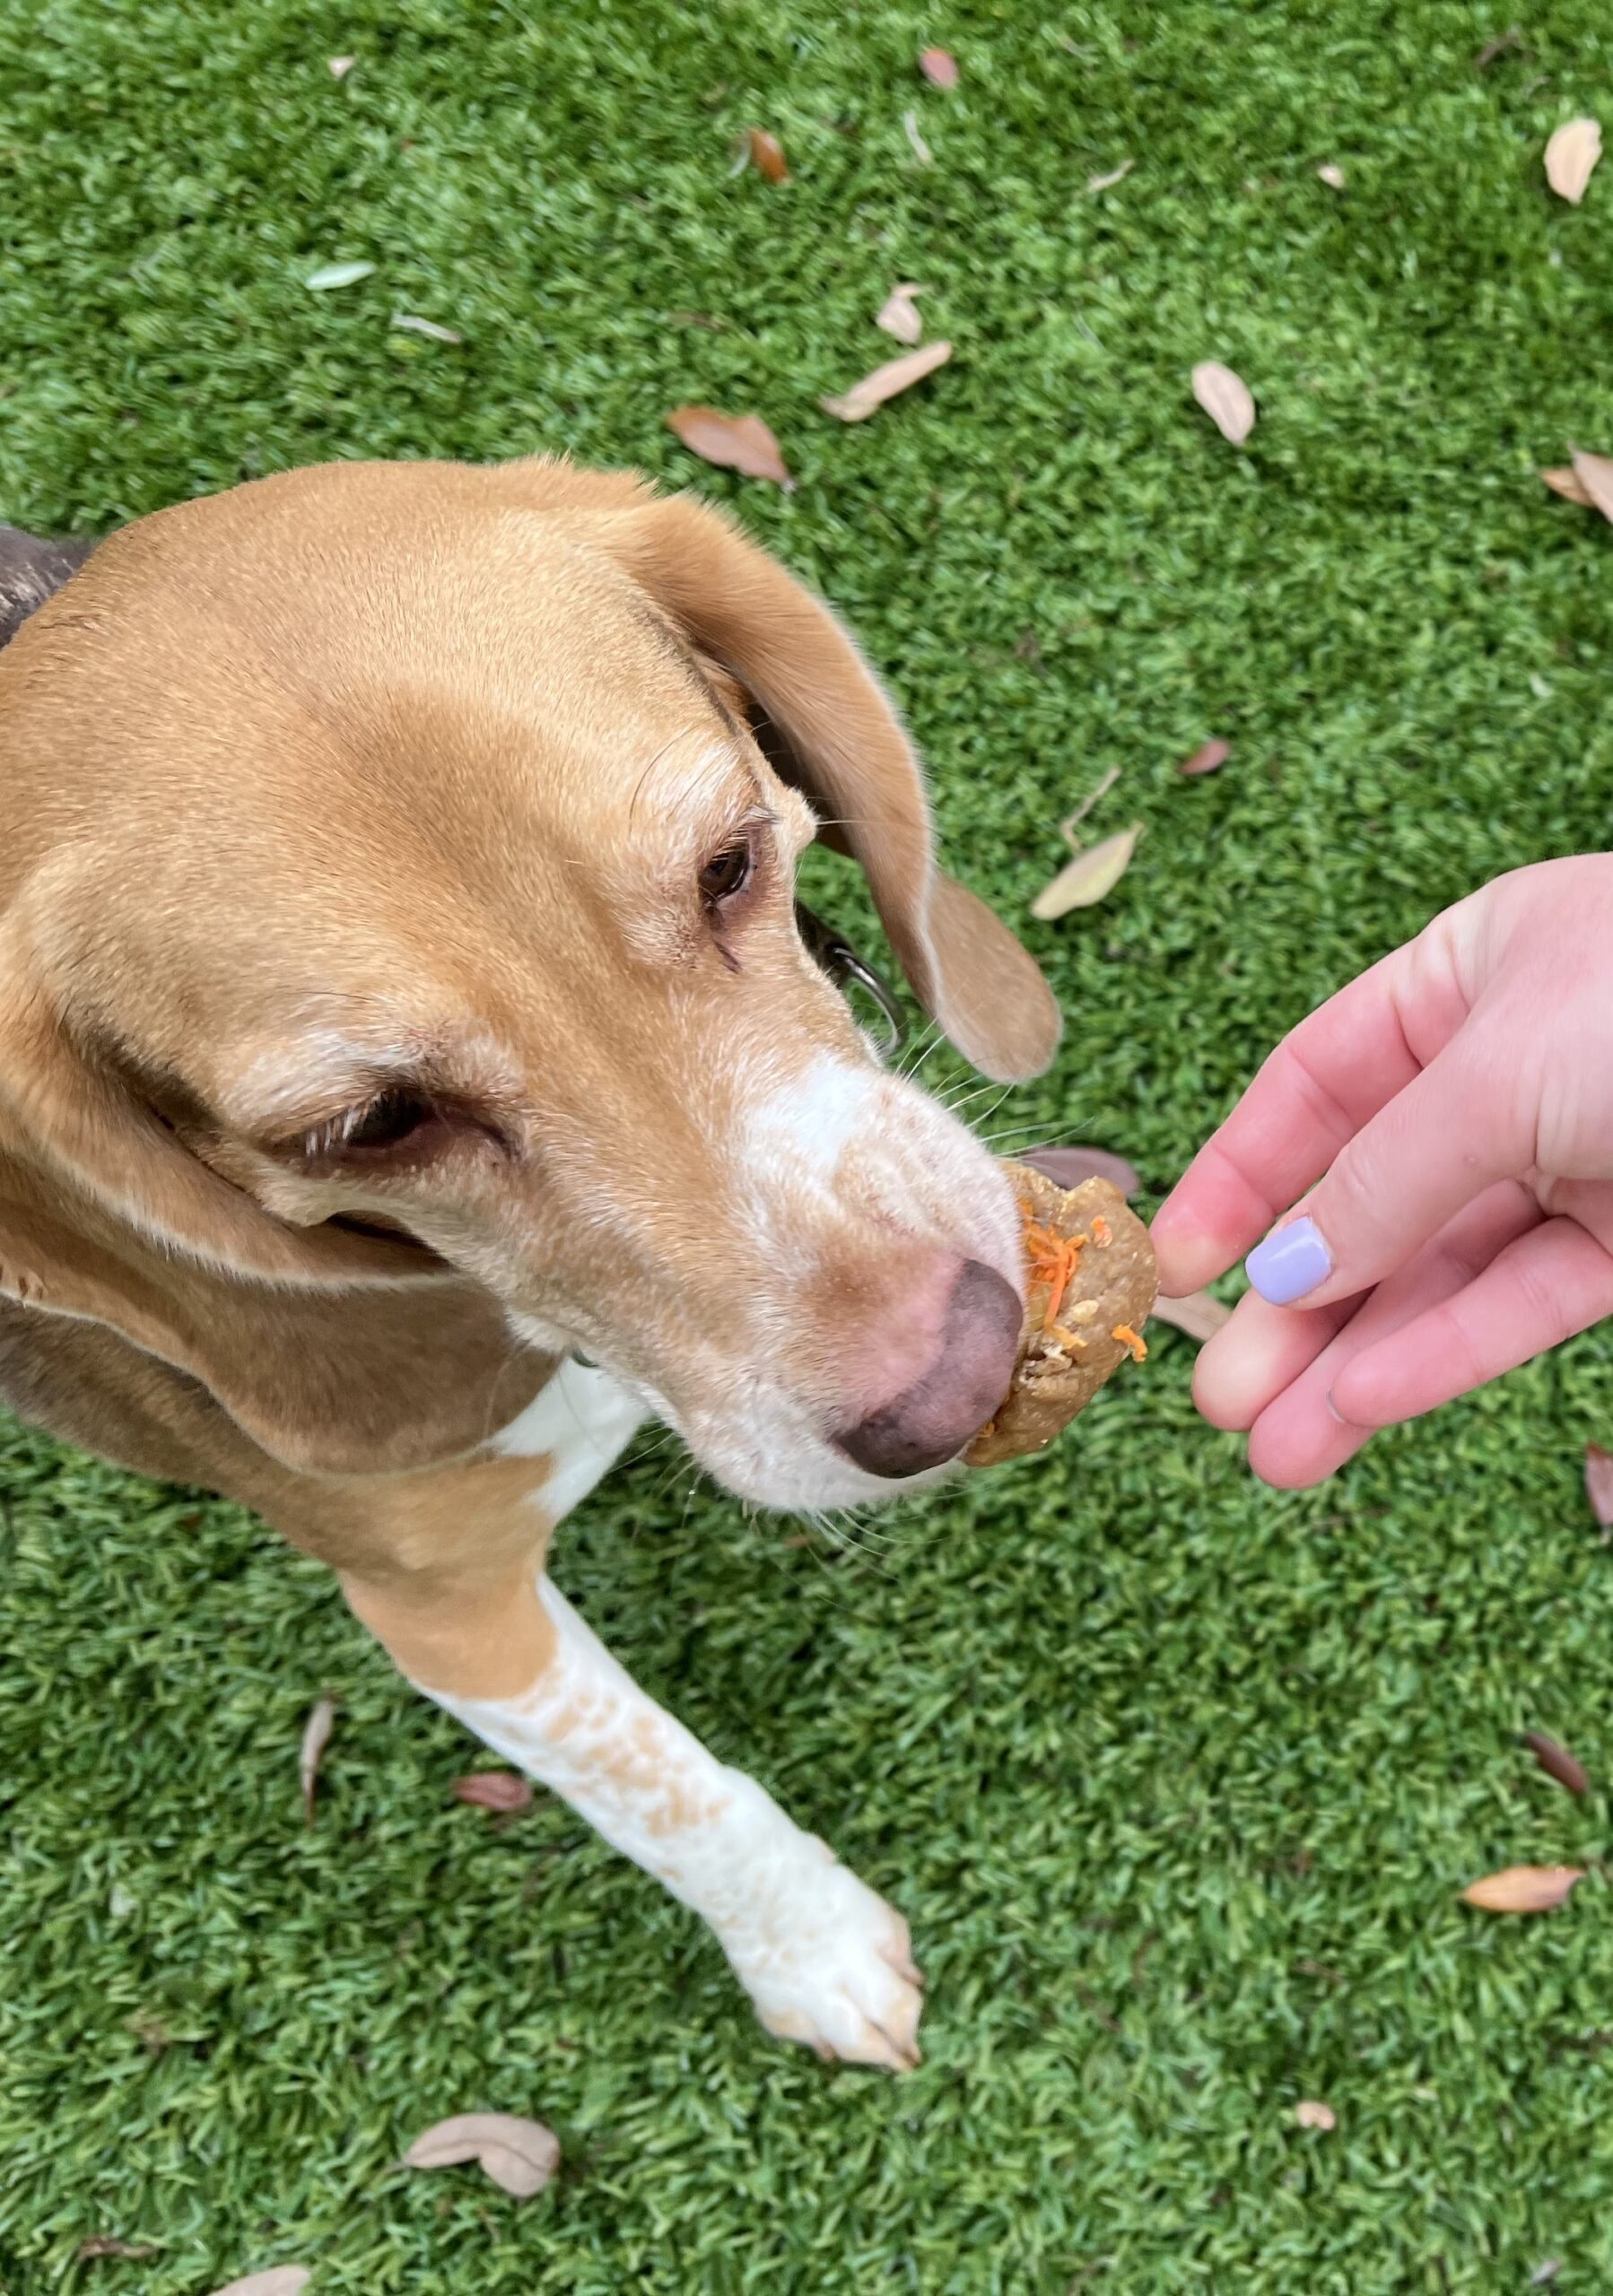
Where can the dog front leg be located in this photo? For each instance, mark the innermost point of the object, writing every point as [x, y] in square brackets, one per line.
[824, 1961]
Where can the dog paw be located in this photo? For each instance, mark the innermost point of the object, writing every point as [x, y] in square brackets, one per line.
[833, 1967]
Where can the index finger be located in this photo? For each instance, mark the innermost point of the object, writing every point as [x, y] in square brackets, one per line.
[1330, 1076]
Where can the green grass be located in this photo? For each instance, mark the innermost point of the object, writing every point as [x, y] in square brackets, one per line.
[1177, 1777]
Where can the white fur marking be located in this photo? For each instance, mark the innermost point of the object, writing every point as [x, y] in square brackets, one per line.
[823, 1959]
[581, 1418]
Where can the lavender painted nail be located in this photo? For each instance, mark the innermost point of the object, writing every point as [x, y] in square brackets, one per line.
[1291, 1262]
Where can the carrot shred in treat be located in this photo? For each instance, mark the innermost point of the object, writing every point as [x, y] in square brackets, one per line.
[1128, 1338]
[1101, 1230]
[1053, 1259]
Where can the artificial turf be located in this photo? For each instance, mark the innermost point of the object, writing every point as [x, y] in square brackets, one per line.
[1177, 1777]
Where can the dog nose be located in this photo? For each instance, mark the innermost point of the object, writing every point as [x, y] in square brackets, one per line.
[933, 1419]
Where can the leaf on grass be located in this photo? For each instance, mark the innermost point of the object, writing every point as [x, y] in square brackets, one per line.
[1598, 1483]
[1088, 877]
[1571, 154]
[1066, 1168]
[1569, 485]
[1225, 398]
[1595, 474]
[337, 274]
[281, 2279]
[897, 375]
[341, 65]
[767, 155]
[1523, 1889]
[1209, 758]
[921, 150]
[1333, 176]
[103, 2244]
[413, 324]
[1115, 175]
[519, 2154]
[899, 315]
[940, 68]
[316, 1737]
[493, 1790]
[1558, 1762]
[1199, 1314]
[741, 442]
[1312, 2113]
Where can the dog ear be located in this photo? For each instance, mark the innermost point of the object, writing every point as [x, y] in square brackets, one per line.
[834, 733]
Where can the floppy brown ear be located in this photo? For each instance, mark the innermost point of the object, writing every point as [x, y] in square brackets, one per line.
[843, 745]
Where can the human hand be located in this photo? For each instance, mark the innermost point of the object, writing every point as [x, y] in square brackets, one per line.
[1451, 1115]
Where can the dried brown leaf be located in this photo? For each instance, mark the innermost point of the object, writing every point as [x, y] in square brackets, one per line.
[921, 150]
[1598, 1483]
[281, 2280]
[493, 1790]
[1571, 154]
[1332, 176]
[1225, 398]
[940, 68]
[1115, 175]
[1558, 1762]
[1209, 758]
[1088, 877]
[1066, 1168]
[899, 315]
[103, 2244]
[341, 65]
[1310, 2113]
[767, 155]
[741, 442]
[316, 1737]
[897, 375]
[1199, 1314]
[1595, 474]
[519, 2154]
[1568, 484]
[1523, 1889]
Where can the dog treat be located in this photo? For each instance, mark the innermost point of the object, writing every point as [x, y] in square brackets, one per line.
[1092, 1285]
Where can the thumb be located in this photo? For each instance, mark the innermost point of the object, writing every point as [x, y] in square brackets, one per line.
[1449, 1134]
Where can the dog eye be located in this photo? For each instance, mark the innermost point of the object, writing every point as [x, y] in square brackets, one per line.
[725, 874]
[387, 1121]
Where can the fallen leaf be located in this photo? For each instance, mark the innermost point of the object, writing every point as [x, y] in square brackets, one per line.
[341, 65]
[316, 1737]
[1558, 1762]
[921, 150]
[1209, 758]
[493, 1790]
[1333, 176]
[413, 325]
[1115, 175]
[1598, 1483]
[1595, 474]
[1066, 1168]
[1088, 877]
[1569, 485]
[741, 442]
[519, 2154]
[897, 375]
[767, 155]
[1199, 1314]
[1071, 822]
[1571, 154]
[899, 315]
[102, 2244]
[1545, 2272]
[1225, 398]
[1512, 37]
[281, 2280]
[1523, 1889]
[938, 68]
[1310, 2113]
[337, 274]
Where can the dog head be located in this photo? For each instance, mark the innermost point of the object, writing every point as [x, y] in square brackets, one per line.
[398, 873]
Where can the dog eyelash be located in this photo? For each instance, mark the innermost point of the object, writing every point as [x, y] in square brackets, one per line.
[371, 1128]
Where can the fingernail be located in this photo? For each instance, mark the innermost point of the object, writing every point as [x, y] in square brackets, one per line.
[1291, 1262]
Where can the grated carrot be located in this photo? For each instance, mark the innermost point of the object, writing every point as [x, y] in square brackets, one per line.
[1128, 1338]
[1101, 1230]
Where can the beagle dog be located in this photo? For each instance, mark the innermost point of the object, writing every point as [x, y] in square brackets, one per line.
[413, 1076]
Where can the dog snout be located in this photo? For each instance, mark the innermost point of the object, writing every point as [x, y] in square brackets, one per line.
[951, 1400]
